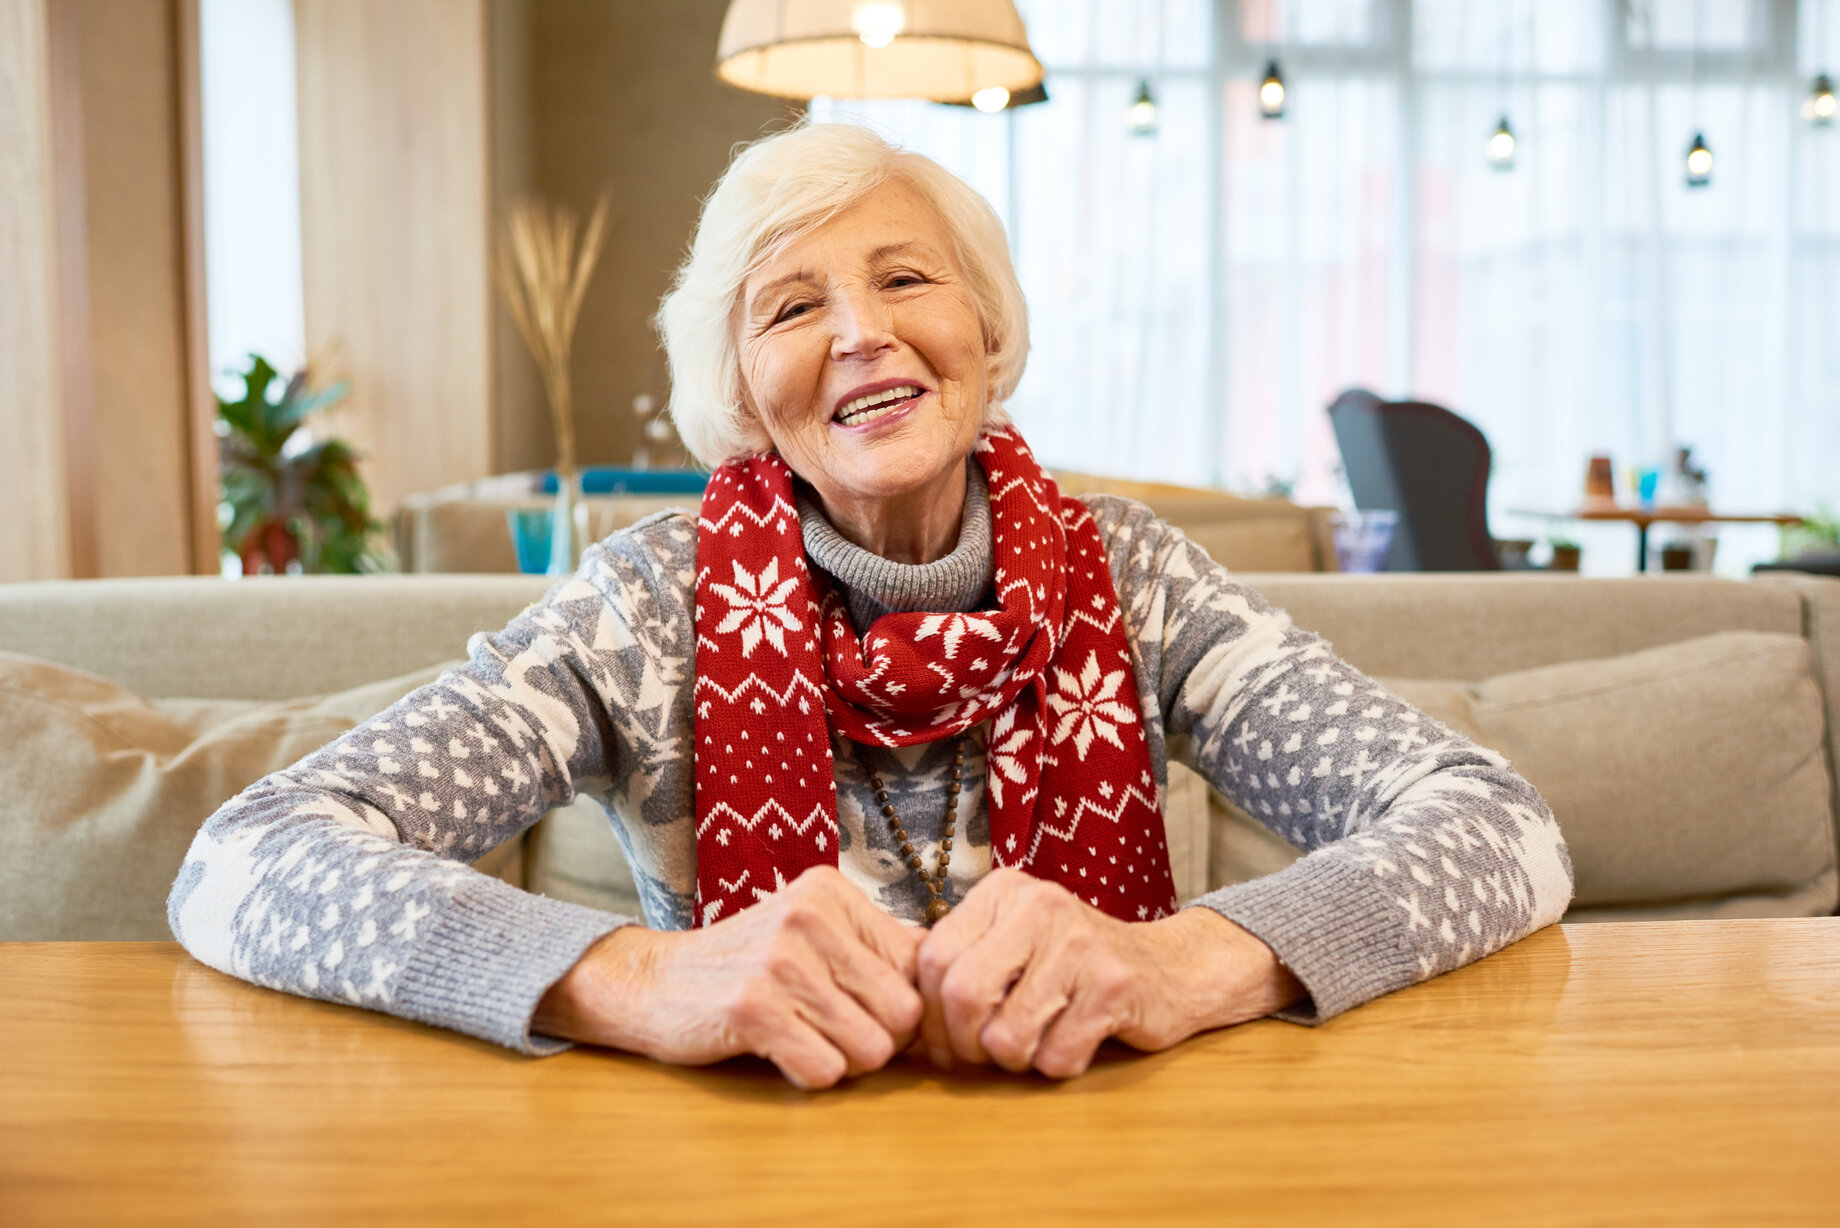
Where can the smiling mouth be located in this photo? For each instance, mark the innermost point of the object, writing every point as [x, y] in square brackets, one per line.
[867, 408]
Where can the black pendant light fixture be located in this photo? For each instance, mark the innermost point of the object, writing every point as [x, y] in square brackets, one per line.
[1699, 162]
[1140, 116]
[1271, 92]
[1699, 154]
[1502, 143]
[1501, 146]
[1821, 106]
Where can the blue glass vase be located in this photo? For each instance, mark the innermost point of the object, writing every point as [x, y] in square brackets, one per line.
[530, 537]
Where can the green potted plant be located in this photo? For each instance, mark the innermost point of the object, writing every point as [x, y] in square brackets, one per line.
[290, 504]
[1566, 553]
[1818, 533]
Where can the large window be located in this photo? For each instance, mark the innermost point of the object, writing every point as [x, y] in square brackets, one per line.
[1200, 294]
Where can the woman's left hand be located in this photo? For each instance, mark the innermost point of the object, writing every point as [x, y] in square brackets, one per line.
[1025, 974]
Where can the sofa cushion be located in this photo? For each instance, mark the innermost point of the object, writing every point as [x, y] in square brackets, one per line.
[1266, 544]
[104, 789]
[1690, 780]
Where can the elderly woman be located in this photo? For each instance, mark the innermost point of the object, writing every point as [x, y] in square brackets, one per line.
[883, 732]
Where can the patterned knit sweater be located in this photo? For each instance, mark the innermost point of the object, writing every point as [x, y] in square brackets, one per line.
[346, 877]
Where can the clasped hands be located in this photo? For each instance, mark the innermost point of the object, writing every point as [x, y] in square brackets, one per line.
[825, 985]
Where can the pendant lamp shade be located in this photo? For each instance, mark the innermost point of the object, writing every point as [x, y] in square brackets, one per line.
[945, 50]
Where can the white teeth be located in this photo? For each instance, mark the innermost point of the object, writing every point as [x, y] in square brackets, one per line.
[854, 411]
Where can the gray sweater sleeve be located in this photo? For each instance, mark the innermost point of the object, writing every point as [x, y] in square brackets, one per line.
[1424, 850]
[345, 877]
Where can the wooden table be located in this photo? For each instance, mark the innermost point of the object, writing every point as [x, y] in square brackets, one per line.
[1658, 1073]
[1643, 517]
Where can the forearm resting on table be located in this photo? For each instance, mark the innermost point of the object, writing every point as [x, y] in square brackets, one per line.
[594, 1001]
[1234, 976]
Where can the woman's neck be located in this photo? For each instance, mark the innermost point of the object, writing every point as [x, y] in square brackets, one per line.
[920, 526]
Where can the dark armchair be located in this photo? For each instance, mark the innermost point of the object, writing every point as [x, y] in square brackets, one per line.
[1427, 464]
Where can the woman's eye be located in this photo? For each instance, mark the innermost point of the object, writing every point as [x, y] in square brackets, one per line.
[790, 311]
[901, 280]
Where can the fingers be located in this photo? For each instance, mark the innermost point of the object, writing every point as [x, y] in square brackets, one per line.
[791, 1010]
[834, 995]
[871, 957]
[803, 1055]
[1024, 974]
[864, 1042]
[1014, 1031]
[977, 983]
[939, 953]
[1067, 1047]
[971, 959]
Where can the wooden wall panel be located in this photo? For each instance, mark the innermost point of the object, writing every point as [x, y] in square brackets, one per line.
[394, 192]
[137, 297]
[200, 400]
[625, 97]
[522, 437]
[34, 519]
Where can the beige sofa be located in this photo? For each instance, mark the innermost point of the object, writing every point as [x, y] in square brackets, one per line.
[1684, 727]
[462, 528]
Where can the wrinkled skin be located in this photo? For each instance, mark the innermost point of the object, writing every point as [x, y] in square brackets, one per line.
[824, 985]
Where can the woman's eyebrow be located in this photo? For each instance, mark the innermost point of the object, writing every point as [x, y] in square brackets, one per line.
[889, 251]
[784, 279]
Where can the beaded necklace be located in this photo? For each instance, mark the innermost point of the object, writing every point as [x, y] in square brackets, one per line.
[937, 905]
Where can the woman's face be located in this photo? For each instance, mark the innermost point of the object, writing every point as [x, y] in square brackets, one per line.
[862, 353]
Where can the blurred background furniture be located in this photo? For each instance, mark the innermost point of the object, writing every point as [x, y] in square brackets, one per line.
[1809, 562]
[1717, 802]
[1427, 464]
[461, 528]
[1240, 533]
[1643, 518]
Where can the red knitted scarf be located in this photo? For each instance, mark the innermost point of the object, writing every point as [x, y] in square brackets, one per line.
[1068, 776]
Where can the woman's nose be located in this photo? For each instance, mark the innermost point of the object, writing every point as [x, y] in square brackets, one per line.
[864, 325]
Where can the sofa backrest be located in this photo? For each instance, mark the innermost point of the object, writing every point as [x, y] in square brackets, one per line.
[1453, 625]
[271, 638]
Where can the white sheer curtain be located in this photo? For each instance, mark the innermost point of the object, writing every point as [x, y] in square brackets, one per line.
[1198, 296]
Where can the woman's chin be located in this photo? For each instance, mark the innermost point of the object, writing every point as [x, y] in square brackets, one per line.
[893, 477]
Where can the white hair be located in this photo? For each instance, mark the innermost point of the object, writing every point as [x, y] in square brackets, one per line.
[776, 190]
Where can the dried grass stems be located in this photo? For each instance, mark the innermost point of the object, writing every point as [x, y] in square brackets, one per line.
[543, 276]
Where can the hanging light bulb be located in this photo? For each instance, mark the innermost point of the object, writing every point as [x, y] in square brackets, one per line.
[1271, 92]
[990, 99]
[1699, 162]
[877, 22]
[1501, 146]
[1820, 107]
[1140, 117]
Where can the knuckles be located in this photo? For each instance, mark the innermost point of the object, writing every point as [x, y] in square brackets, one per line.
[932, 963]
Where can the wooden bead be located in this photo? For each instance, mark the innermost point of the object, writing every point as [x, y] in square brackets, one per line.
[945, 846]
[907, 849]
[936, 909]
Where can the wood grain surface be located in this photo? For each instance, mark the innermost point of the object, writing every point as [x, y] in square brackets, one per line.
[1681, 1072]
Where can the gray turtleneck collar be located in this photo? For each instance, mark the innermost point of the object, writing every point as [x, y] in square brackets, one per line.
[875, 586]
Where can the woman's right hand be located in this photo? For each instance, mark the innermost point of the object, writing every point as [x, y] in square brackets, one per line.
[815, 979]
